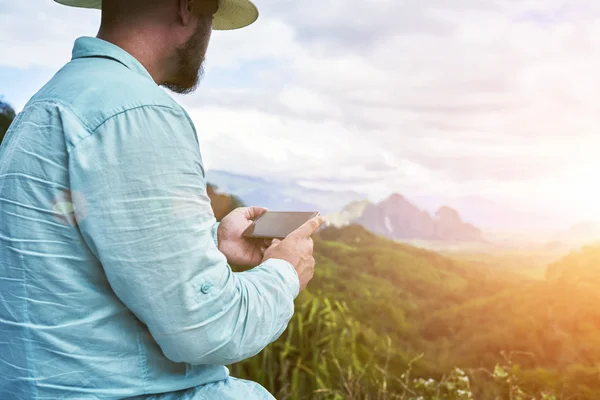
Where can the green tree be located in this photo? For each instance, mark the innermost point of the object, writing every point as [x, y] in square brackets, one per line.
[7, 114]
[222, 204]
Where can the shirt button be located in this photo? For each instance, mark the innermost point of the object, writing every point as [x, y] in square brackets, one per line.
[205, 288]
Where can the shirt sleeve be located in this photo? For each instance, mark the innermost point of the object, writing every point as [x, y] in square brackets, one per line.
[150, 223]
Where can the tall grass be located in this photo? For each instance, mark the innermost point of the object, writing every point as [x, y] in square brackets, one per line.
[322, 355]
[325, 354]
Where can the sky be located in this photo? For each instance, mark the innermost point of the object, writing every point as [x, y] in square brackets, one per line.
[497, 99]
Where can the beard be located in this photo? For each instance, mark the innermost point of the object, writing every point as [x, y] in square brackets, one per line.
[190, 60]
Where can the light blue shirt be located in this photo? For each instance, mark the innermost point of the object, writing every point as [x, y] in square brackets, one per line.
[111, 281]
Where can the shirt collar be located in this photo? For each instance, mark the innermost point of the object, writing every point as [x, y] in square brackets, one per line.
[93, 47]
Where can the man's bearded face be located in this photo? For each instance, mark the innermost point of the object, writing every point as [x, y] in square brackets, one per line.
[190, 60]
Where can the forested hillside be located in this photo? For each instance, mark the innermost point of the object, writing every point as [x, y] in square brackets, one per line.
[554, 323]
[375, 305]
[377, 309]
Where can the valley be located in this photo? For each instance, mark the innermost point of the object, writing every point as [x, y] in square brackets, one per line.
[511, 318]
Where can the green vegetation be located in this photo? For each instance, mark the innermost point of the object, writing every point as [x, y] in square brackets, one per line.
[384, 320]
[222, 204]
[7, 114]
[531, 263]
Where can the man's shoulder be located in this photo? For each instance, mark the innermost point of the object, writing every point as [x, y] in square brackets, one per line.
[97, 89]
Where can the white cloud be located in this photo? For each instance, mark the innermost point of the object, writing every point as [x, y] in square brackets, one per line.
[41, 32]
[306, 102]
[495, 97]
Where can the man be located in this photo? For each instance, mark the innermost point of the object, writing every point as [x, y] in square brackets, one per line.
[114, 276]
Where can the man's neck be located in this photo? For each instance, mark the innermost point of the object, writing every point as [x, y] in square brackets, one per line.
[146, 45]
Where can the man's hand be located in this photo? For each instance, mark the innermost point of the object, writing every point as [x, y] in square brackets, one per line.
[239, 250]
[297, 249]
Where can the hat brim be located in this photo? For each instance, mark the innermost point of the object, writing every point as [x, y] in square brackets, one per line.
[232, 14]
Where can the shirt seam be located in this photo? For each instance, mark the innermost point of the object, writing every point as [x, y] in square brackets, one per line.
[92, 132]
[143, 363]
[86, 124]
[79, 117]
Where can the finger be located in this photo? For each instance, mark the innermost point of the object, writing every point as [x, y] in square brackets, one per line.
[253, 212]
[309, 227]
[275, 242]
[268, 242]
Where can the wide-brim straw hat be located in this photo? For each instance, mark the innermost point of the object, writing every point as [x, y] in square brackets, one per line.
[232, 14]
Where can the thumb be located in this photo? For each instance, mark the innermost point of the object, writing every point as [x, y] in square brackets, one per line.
[275, 242]
[309, 227]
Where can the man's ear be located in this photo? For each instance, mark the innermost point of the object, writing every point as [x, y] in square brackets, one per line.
[185, 11]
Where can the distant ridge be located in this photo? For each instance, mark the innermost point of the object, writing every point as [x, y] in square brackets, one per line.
[348, 214]
[399, 219]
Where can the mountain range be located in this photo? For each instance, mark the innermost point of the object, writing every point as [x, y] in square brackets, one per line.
[421, 218]
[399, 219]
[394, 218]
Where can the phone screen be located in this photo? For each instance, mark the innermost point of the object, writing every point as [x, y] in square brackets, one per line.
[278, 224]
